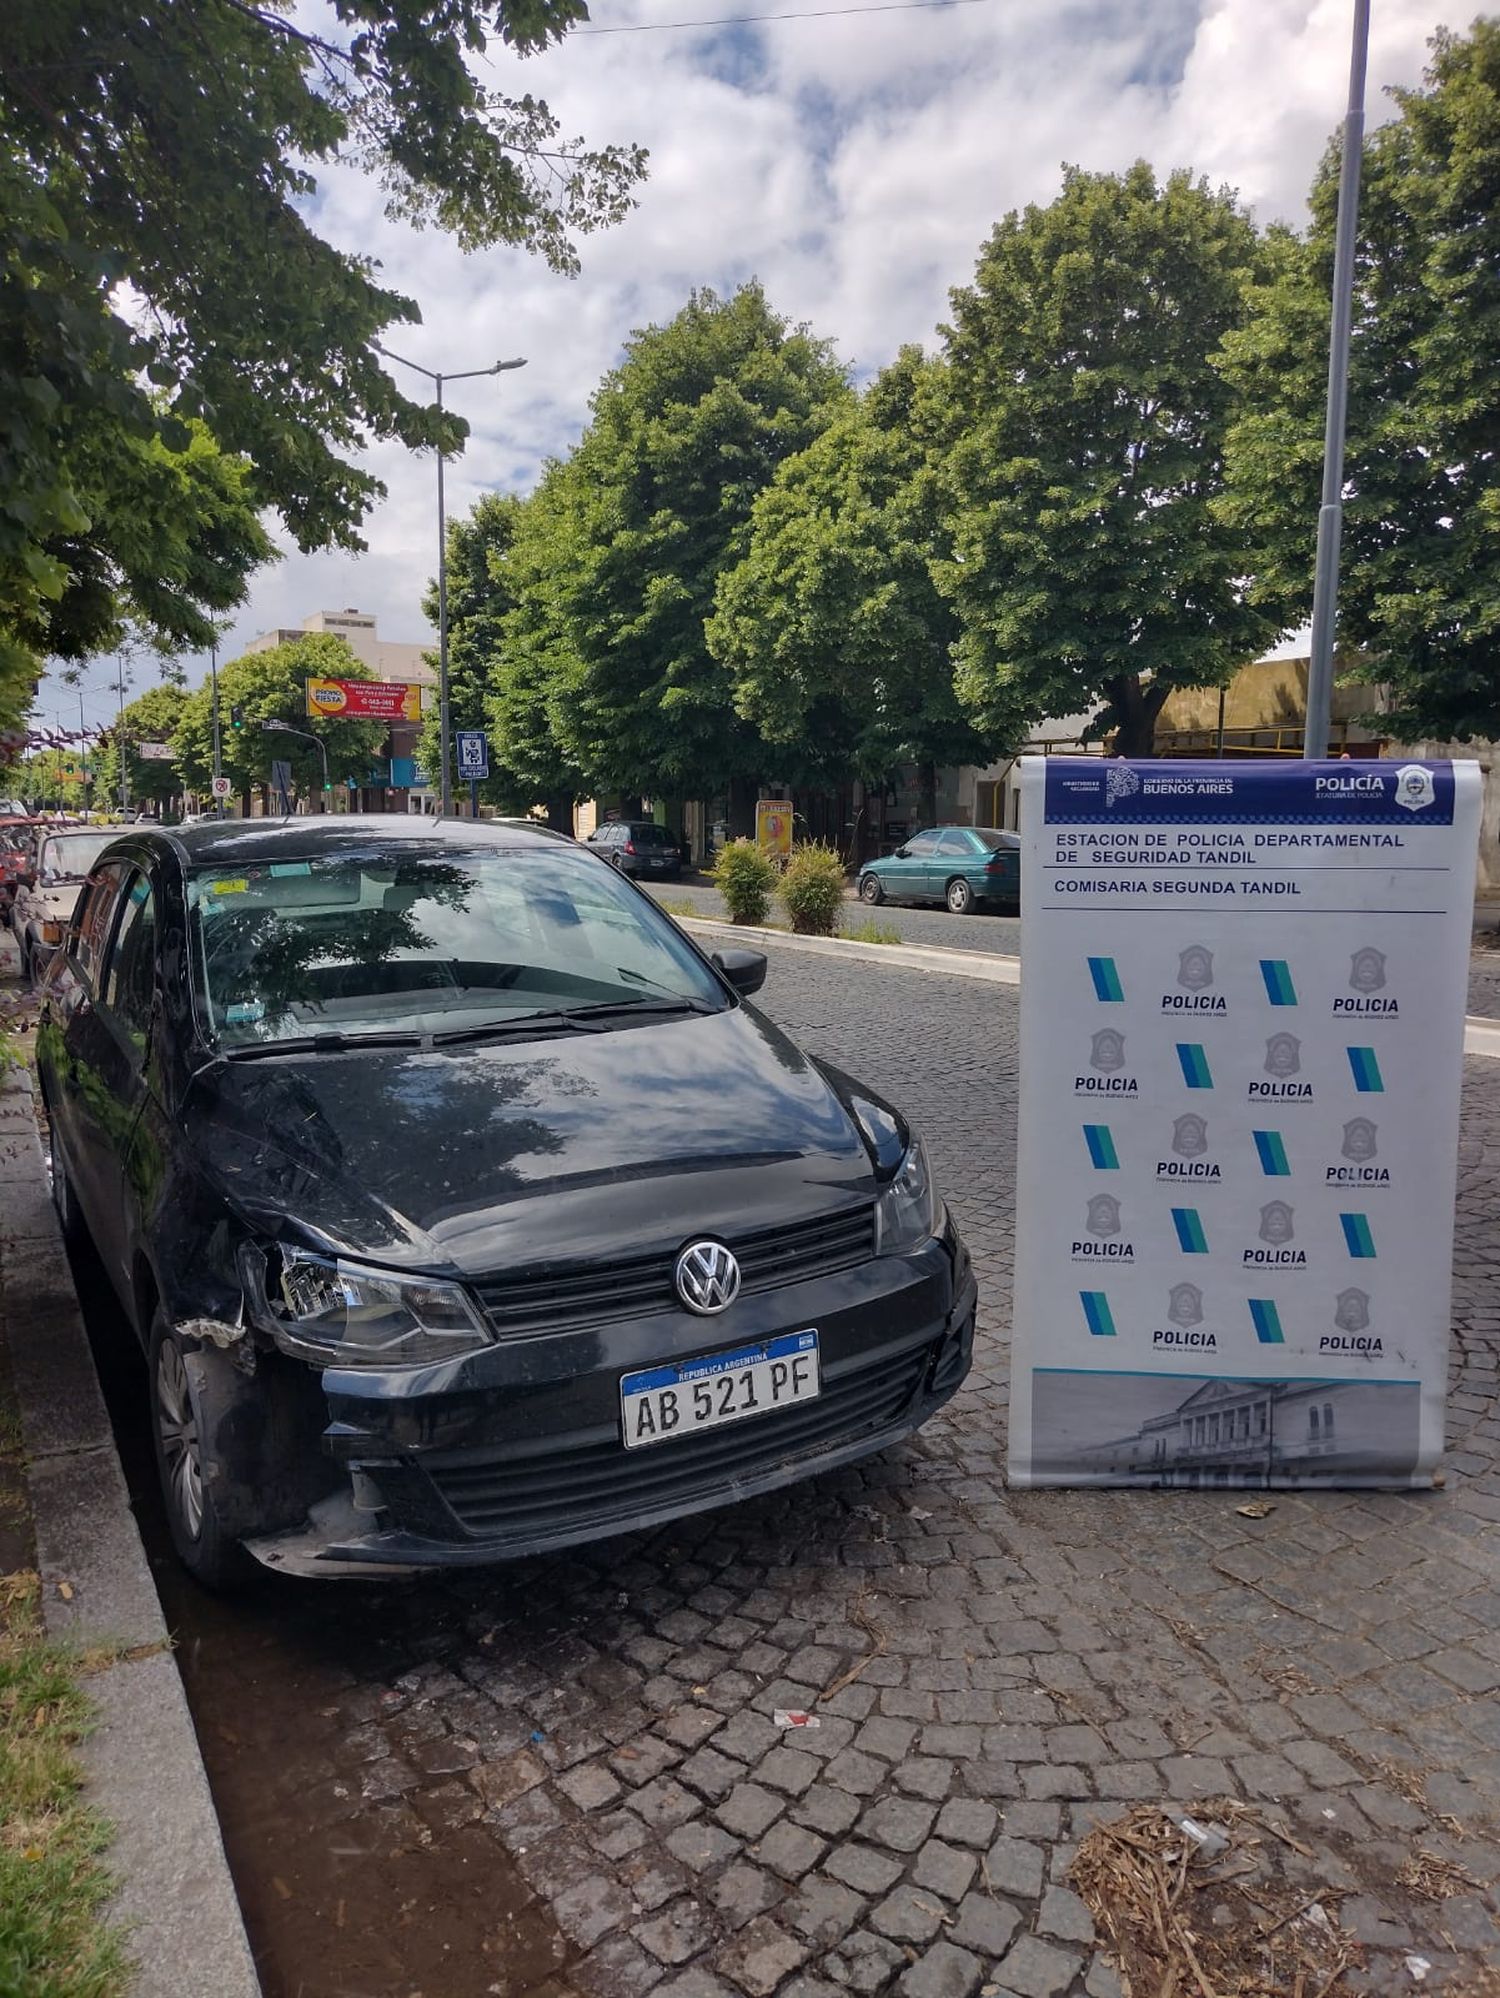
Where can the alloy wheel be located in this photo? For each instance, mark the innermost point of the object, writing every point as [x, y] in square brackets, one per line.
[177, 1426]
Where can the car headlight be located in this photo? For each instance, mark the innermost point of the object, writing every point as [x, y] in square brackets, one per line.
[909, 1211]
[344, 1316]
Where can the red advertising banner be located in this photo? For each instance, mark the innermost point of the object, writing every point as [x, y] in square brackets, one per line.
[365, 700]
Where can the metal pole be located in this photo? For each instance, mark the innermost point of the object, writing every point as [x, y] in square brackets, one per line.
[83, 752]
[1331, 512]
[1220, 750]
[213, 667]
[445, 788]
[120, 739]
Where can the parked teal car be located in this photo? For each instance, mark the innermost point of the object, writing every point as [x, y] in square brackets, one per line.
[967, 867]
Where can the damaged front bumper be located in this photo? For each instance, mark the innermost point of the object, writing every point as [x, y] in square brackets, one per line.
[532, 1495]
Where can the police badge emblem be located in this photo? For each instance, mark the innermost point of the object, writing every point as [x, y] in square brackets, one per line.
[1190, 1136]
[1276, 1222]
[1283, 1055]
[1359, 1140]
[1367, 971]
[1104, 1215]
[1415, 790]
[1107, 1049]
[1353, 1311]
[1195, 968]
[1185, 1304]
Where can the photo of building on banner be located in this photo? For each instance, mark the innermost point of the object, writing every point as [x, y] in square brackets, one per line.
[1242, 1028]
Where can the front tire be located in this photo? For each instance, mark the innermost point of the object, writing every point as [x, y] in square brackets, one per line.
[960, 896]
[870, 890]
[190, 1401]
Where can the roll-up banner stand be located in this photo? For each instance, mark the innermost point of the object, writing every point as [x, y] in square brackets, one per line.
[1242, 1015]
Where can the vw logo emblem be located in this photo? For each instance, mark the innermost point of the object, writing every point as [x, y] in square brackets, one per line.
[708, 1278]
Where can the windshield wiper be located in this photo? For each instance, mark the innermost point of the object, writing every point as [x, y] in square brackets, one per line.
[517, 1023]
[603, 1008]
[331, 1042]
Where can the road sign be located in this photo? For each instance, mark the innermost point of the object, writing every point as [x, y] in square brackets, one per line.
[281, 784]
[223, 787]
[473, 754]
[155, 752]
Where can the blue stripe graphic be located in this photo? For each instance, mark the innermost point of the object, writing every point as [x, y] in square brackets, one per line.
[1106, 978]
[1357, 1234]
[1189, 1228]
[1278, 976]
[1097, 1314]
[1273, 1162]
[1100, 1141]
[1366, 1070]
[1195, 1071]
[1267, 1321]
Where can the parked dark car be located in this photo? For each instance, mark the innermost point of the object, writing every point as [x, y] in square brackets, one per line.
[639, 848]
[964, 867]
[463, 1207]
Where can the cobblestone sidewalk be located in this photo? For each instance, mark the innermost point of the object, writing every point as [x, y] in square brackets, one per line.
[993, 1672]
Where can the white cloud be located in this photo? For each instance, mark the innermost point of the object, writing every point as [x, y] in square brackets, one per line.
[855, 164]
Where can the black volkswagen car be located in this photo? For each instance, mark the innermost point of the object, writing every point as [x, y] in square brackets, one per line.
[463, 1207]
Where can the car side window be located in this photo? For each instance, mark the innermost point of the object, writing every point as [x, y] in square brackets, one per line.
[954, 841]
[94, 918]
[922, 843]
[130, 978]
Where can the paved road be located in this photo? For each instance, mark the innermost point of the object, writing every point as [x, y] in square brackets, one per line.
[1003, 934]
[592, 1736]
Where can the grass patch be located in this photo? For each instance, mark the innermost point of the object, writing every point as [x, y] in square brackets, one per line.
[873, 932]
[677, 905]
[53, 1884]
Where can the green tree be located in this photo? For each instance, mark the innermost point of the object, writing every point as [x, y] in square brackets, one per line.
[1421, 538]
[840, 643]
[271, 686]
[53, 778]
[151, 717]
[626, 544]
[1088, 565]
[175, 149]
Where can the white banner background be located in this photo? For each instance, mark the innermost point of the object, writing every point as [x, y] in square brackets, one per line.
[1242, 1011]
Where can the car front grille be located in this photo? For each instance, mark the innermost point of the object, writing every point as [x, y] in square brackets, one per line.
[545, 1488]
[532, 1302]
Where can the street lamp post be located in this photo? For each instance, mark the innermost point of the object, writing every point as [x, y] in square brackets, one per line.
[213, 667]
[445, 790]
[285, 728]
[1331, 512]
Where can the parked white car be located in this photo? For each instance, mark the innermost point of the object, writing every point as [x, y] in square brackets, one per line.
[45, 897]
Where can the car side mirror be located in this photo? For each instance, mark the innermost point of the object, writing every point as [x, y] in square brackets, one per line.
[902, 853]
[745, 969]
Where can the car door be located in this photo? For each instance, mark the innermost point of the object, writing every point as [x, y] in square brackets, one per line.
[78, 1043]
[128, 1011]
[908, 871]
[953, 854]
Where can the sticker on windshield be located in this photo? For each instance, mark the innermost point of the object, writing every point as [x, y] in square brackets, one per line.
[283, 867]
[242, 1011]
[239, 887]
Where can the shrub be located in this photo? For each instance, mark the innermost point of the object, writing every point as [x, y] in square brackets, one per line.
[812, 890]
[744, 877]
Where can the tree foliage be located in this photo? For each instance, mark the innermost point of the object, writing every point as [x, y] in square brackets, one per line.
[174, 149]
[840, 644]
[1421, 536]
[634, 533]
[153, 716]
[270, 686]
[1087, 426]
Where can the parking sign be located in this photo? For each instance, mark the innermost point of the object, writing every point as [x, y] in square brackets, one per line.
[473, 753]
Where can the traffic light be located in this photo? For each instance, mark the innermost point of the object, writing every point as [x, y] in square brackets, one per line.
[236, 717]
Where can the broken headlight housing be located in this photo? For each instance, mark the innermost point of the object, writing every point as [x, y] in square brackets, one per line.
[343, 1315]
[909, 1212]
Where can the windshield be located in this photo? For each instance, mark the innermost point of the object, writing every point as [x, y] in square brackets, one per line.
[373, 942]
[70, 856]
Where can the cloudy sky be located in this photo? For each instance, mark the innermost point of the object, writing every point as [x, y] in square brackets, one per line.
[853, 162]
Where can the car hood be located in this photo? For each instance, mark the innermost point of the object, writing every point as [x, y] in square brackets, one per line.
[580, 1146]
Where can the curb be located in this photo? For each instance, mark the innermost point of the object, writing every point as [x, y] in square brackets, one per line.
[1481, 1036]
[175, 1901]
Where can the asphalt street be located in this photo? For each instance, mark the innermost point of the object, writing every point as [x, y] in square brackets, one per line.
[589, 1742]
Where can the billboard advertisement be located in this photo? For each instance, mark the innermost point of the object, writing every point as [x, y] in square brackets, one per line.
[773, 827]
[365, 700]
[1242, 1013]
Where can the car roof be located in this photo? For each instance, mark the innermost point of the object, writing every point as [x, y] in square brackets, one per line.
[228, 842]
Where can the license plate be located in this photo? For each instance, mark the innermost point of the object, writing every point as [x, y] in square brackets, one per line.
[680, 1400]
